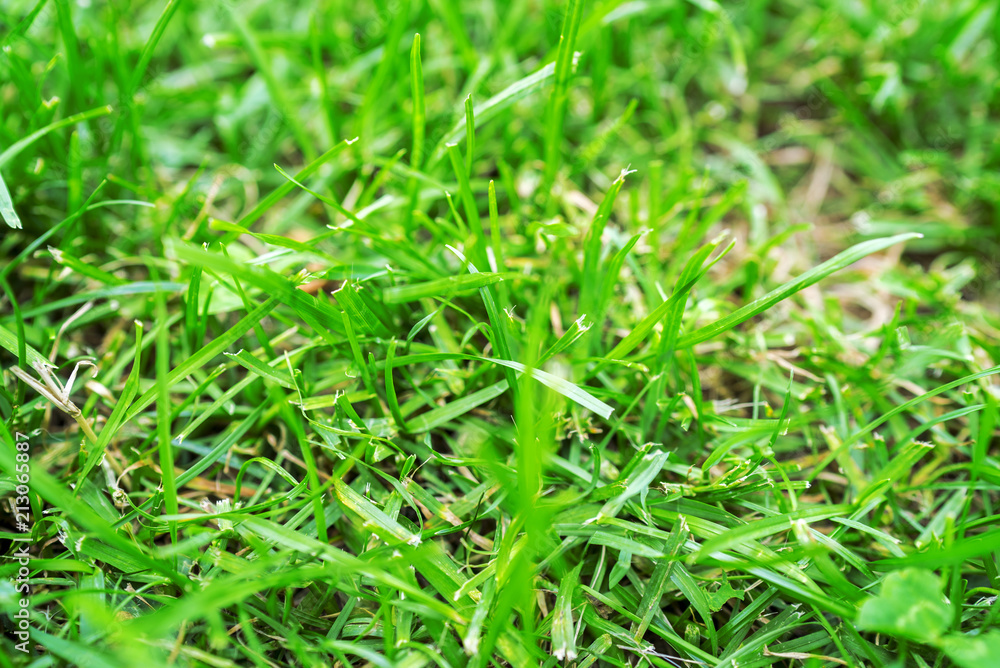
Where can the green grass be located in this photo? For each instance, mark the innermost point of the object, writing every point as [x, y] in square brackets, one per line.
[443, 334]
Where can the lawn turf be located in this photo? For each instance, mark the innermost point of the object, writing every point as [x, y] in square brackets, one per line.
[530, 333]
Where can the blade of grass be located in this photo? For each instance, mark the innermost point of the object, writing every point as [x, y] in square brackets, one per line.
[452, 410]
[7, 207]
[275, 89]
[278, 193]
[390, 388]
[641, 331]
[556, 110]
[116, 419]
[563, 632]
[50, 489]
[246, 360]
[359, 312]
[470, 135]
[492, 107]
[15, 149]
[590, 276]
[163, 410]
[477, 252]
[419, 127]
[498, 325]
[203, 356]
[444, 288]
[814, 275]
[564, 387]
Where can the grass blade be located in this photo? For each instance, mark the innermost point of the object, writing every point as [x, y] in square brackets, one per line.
[556, 110]
[814, 275]
[163, 413]
[445, 288]
[641, 331]
[203, 356]
[7, 207]
[452, 410]
[591, 277]
[15, 149]
[563, 631]
[275, 196]
[489, 109]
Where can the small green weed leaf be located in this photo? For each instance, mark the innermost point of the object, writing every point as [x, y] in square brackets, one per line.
[972, 651]
[910, 605]
[717, 599]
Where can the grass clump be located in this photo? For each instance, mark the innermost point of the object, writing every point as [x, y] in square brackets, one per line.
[428, 334]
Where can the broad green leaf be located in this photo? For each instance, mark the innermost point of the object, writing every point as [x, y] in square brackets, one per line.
[969, 651]
[718, 598]
[910, 605]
